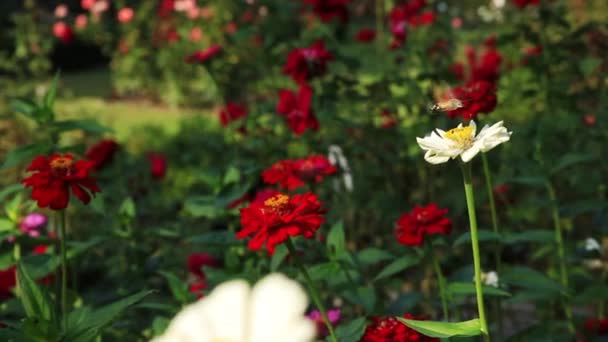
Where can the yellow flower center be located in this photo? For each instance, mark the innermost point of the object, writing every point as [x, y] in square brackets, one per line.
[462, 136]
[61, 164]
[277, 201]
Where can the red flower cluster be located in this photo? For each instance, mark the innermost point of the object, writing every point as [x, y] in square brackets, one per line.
[63, 32]
[476, 97]
[530, 53]
[389, 329]
[327, 10]
[102, 152]
[195, 263]
[276, 219]
[306, 63]
[388, 119]
[406, 14]
[165, 8]
[8, 280]
[422, 221]
[202, 56]
[597, 326]
[296, 109]
[524, 3]
[366, 35]
[158, 165]
[292, 174]
[232, 112]
[55, 176]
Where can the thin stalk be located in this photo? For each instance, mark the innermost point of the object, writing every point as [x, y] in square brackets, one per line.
[561, 255]
[470, 197]
[17, 257]
[313, 291]
[64, 269]
[379, 25]
[498, 249]
[440, 282]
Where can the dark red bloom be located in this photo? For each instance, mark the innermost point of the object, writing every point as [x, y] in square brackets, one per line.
[196, 261]
[158, 165]
[366, 35]
[102, 152]
[63, 32]
[237, 202]
[487, 68]
[457, 69]
[292, 174]
[530, 53]
[306, 63]
[8, 280]
[232, 112]
[296, 109]
[55, 176]
[524, 3]
[271, 222]
[388, 119]
[389, 329]
[40, 249]
[408, 14]
[264, 194]
[202, 56]
[597, 326]
[327, 10]
[476, 97]
[197, 288]
[165, 8]
[422, 221]
[589, 120]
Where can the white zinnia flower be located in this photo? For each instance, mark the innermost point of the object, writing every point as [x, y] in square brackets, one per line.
[490, 278]
[591, 244]
[441, 146]
[273, 311]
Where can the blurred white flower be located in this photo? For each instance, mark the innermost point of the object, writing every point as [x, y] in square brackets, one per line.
[591, 244]
[273, 311]
[490, 279]
[336, 157]
[498, 3]
[61, 11]
[463, 142]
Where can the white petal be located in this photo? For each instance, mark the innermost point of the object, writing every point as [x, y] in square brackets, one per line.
[434, 158]
[277, 308]
[474, 125]
[189, 325]
[227, 308]
[470, 153]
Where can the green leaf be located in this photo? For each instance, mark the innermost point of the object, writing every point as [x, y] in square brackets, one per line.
[370, 256]
[336, 244]
[483, 235]
[530, 181]
[444, 329]
[87, 125]
[49, 97]
[7, 225]
[37, 329]
[397, 266]
[24, 154]
[178, 287]
[529, 236]
[9, 190]
[233, 175]
[35, 300]
[461, 288]
[280, 253]
[324, 271]
[529, 278]
[25, 107]
[571, 159]
[220, 238]
[351, 331]
[589, 64]
[86, 324]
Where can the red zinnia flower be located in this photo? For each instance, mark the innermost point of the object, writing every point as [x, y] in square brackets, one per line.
[524, 3]
[366, 35]
[204, 55]
[8, 280]
[388, 119]
[305, 63]
[232, 112]
[55, 176]
[197, 288]
[165, 8]
[389, 329]
[408, 14]
[279, 217]
[292, 174]
[597, 326]
[196, 261]
[326, 10]
[296, 109]
[476, 97]
[102, 152]
[63, 32]
[158, 165]
[413, 227]
[264, 194]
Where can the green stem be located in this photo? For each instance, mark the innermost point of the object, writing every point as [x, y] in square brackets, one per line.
[64, 269]
[498, 249]
[17, 257]
[468, 190]
[379, 25]
[561, 255]
[440, 281]
[313, 291]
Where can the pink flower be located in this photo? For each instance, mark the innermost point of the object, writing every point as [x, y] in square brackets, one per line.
[63, 32]
[87, 4]
[61, 11]
[196, 34]
[81, 21]
[333, 316]
[32, 223]
[125, 14]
